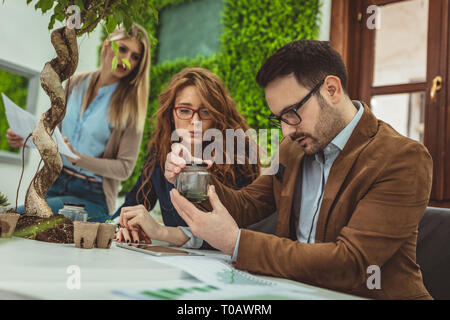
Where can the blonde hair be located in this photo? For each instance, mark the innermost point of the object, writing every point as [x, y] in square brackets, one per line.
[129, 101]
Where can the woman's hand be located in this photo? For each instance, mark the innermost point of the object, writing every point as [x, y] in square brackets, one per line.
[14, 140]
[125, 236]
[72, 160]
[176, 160]
[137, 224]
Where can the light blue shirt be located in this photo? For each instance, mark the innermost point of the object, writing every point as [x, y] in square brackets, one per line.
[88, 132]
[316, 169]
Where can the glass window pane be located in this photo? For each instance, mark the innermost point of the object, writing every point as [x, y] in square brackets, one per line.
[14, 87]
[401, 43]
[190, 29]
[404, 112]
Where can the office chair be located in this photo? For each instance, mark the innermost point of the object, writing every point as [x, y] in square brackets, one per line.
[433, 251]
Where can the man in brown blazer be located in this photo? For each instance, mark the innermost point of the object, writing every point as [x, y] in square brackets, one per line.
[350, 190]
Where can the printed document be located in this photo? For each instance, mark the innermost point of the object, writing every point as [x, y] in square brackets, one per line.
[22, 123]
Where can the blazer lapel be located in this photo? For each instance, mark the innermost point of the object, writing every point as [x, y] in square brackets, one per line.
[366, 128]
[292, 167]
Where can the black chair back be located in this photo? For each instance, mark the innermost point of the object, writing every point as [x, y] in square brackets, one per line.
[433, 252]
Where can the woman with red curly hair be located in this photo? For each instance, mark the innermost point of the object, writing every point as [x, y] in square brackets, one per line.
[194, 97]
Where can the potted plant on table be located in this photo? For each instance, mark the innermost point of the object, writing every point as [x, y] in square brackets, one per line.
[81, 16]
[105, 234]
[8, 219]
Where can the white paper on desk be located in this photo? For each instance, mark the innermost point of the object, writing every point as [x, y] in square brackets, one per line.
[196, 290]
[221, 274]
[217, 280]
[22, 123]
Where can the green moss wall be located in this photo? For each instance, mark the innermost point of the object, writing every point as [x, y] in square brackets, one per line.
[252, 31]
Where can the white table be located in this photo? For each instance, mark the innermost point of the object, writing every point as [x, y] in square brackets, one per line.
[39, 270]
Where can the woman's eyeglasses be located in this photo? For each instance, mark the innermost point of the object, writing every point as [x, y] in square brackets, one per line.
[291, 117]
[185, 113]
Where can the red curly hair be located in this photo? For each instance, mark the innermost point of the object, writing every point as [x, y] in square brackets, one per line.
[225, 116]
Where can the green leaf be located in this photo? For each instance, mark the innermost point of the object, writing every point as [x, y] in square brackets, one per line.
[3, 200]
[127, 22]
[118, 15]
[110, 24]
[44, 5]
[115, 47]
[60, 16]
[127, 63]
[114, 63]
[80, 3]
[52, 22]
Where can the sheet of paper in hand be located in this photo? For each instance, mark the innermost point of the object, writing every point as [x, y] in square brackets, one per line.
[22, 123]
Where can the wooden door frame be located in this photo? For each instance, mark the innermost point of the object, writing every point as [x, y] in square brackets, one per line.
[348, 34]
[439, 133]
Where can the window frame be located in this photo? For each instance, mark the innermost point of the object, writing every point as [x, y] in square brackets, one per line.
[355, 42]
[33, 90]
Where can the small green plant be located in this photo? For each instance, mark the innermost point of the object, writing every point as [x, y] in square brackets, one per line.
[3, 201]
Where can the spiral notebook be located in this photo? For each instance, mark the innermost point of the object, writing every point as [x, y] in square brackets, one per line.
[220, 273]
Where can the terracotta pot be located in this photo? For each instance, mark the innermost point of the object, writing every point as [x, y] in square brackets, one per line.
[84, 234]
[8, 223]
[105, 235]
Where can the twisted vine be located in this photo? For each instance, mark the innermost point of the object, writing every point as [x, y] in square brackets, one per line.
[56, 71]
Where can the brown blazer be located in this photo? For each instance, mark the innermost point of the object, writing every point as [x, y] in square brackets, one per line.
[375, 196]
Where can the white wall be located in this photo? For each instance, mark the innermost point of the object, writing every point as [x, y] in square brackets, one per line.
[325, 18]
[25, 41]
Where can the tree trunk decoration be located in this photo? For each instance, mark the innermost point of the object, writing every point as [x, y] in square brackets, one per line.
[56, 71]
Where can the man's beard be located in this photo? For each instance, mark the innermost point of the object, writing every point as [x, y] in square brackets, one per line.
[328, 126]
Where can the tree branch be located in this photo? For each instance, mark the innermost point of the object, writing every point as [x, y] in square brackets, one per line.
[88, 29]
[97, 5]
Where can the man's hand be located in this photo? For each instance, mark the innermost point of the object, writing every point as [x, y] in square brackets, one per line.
[217, 228]
[14, 140]
[176, 160]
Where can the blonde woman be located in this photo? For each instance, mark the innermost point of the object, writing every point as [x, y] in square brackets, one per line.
[103, 125]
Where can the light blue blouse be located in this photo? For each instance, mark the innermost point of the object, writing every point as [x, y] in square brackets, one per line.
[88, 132]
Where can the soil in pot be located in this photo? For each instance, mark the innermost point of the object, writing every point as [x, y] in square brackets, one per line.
[56, 229]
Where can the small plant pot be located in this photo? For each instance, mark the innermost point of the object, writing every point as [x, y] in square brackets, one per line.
[105, 235]
[84, 234]
[8, 223]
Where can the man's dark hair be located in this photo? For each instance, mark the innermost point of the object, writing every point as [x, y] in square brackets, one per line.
[311, 61]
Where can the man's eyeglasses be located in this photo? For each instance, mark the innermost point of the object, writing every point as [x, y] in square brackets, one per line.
[185, 113]
[291, 117]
